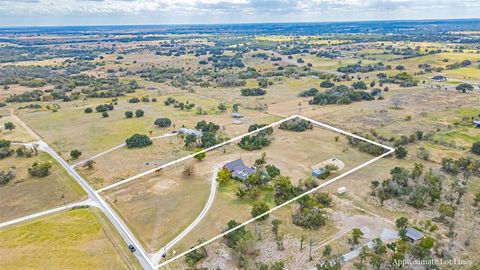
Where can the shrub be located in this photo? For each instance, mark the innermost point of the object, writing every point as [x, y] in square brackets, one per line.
[296, 124]
[134, 100]
[105, 114]
[129, 114]
[258, 209]
[40, 169]
[88, 110]
[401, 152]
[138, 141]
[476, 148]
[163, 122]
[308, 93]
[253, 92]
[75, 154]
[139, 113]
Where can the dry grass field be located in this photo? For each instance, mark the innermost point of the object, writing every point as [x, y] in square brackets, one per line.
[26, 195]
[77, 239]
[293, 153]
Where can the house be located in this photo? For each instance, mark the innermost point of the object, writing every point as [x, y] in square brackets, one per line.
[188, 131]
[238, 169]
[476, 123]
[439, 78]
[413, 234]
[237, 115]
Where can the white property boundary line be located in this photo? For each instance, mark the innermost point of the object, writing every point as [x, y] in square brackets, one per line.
[117, 147]
[390, 151]
[192, 155]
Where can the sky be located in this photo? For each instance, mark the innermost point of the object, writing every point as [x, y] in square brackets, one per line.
[126, 12]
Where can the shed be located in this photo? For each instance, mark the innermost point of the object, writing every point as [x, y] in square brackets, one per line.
[413, 234]
[237, 115]
[341, 190]
[439, 78]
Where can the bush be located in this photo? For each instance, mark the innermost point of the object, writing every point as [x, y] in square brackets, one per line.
[138, 141]
[253, 92]
[105, 114]
[308, 93]
[75, 154]
[129, 114]
[327, 84]
[88, 110]
[296, 124]
[40, 169]
[258, 209]
[476, 148]
[139, 113]
[134, 100]
[163, 122]
[401, 152]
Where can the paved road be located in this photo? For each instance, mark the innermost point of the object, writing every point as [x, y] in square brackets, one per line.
[213, 189]
[117, 147]
[124, 232]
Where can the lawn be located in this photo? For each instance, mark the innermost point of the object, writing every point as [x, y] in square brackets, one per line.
[72, 240]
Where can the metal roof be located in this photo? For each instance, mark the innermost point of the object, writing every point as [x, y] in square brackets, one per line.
[414, 234]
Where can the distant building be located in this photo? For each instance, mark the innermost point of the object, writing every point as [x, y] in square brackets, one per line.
[476, 123]
[413, 234]
[439, 78]
[237, 115]
[341, 190]
[238, 169]
[188, 131]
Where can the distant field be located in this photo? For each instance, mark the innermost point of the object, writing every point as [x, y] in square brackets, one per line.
[72, 240]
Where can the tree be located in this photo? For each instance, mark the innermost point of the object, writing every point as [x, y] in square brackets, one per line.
[188, 170]
[9, 126]
[476, 148]
[200, 154]
[139, 113]
[138, 141]
[235, 107]
[40, 169]
[190, 139]
[163, 122]
[222, 107]
[89, 164]
[260, 208]
[104, 114]
[88, 110]
[327, 251]
[464, 87]
[75, 154]
[275, 224]
[128, 114]
[401, 223]
[224, 176]
[400, 152]
[356, 235]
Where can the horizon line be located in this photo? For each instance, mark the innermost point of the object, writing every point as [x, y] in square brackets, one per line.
[239, 23]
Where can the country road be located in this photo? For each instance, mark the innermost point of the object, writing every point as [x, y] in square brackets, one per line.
[213, 189]
[124, 232]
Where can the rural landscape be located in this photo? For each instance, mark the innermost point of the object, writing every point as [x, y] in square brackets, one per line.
[346, 145]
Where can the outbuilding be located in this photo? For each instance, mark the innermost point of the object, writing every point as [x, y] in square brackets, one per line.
[439, 78]
[476, 123]
[413, 234]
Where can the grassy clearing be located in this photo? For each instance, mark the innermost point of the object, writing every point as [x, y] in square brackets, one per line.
[26, 195]
[19, 134]
[70, 240]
